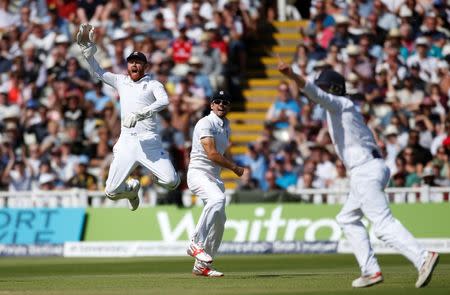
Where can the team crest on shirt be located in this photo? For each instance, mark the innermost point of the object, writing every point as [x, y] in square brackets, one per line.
[144, 87]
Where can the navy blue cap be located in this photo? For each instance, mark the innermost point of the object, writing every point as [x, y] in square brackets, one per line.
[221, 94]
[334, 81]
[138, 56]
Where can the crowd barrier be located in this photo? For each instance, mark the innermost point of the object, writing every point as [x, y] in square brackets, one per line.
[76, 198]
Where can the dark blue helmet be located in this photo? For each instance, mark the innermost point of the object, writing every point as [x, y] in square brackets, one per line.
[220, 95]
[332, 82]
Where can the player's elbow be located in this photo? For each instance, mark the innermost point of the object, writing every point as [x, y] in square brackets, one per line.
[214, 156]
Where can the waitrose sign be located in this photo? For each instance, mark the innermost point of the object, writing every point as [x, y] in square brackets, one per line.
[252, 222]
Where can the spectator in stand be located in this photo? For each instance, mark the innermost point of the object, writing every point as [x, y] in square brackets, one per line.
[427, 64]
[209, 61]
[325, 166]
[357, 64]
[431, 178]
[180, 51]
[182, 113]
[412, 169]
[421, 155]
[47, 182]
[247, 182]
[82, 178]
[17, 174]
[341, 36]
[393, 146]
[409, 94]
[100, 147]
[285, 110]
[256, 162]
[270, 179]
[285, 176]
[340, 181]
[200, 78]
[98, 97]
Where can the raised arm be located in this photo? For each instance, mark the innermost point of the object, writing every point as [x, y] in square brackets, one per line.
[330, 102]
[88, 49]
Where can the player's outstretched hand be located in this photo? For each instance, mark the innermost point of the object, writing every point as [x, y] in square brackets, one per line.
[130, 120]
[283, 67]
[85, 39]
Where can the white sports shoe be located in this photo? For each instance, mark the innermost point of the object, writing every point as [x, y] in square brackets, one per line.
[133, 186]
[205, 269]
[196, 250]
[426, 271]
[367, 281]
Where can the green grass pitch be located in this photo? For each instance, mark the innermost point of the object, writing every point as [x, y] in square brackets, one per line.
[258, 274]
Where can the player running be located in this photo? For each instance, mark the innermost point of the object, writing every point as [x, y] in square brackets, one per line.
[209, 154]
[356, 147]
[139, 143]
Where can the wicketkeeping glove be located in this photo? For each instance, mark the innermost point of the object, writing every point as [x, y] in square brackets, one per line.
[88, 47]
[132, 118]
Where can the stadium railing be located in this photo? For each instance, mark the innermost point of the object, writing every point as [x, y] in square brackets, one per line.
[84, 198]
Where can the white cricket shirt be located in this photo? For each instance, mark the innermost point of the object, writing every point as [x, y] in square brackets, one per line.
[352, 139]
[134, 96]
[209, 126]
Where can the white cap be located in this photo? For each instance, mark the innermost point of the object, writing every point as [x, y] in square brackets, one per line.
[390, 96]
[341, 19]
[352, 49]
[11, 112]
[119, 34]
[27, 45]
[46, 178]
[352, 77]
[61, 39]
[4, 88]
[394, 32]
[405, 11]
[195, 60]
[106, 63]
[446, 49]
[428, 171]
[442, 64]
[422, 41]
[390, 130]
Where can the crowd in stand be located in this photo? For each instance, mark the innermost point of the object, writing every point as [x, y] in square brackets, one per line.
[395, 56]
[58, 124]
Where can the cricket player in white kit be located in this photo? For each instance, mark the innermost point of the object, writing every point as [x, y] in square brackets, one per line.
[209, 154]
[356, 147]
[139, 143]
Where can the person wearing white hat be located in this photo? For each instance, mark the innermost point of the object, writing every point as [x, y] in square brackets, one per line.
[392, 144]
[427, 63]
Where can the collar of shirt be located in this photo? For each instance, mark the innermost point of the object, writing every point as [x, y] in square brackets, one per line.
[217, 119]
[140, 80]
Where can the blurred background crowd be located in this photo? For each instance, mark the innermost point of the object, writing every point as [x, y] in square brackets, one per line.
[58, 124]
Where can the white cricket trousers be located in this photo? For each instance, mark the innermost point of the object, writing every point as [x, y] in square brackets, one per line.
[133, 149]
[211, 224]
[367, 198]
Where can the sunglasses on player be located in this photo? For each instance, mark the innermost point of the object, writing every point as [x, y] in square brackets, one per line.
[221, 101]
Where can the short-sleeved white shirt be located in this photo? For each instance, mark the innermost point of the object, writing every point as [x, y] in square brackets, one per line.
[209, 126]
